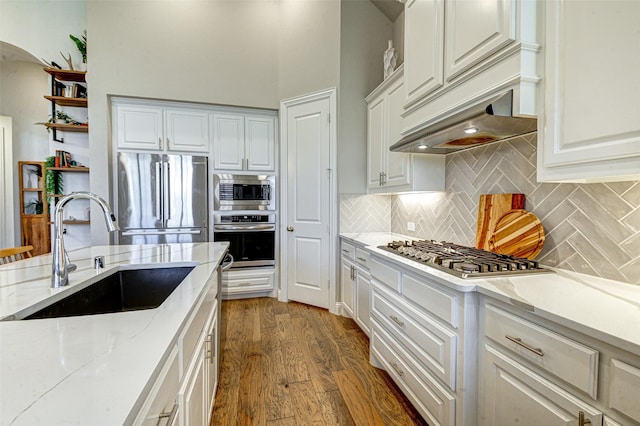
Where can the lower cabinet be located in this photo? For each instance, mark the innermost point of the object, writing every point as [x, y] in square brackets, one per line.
[355, 284]
[239, 283]
[184, 391]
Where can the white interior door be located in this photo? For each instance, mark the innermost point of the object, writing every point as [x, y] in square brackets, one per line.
[308, 224]
[7, 226]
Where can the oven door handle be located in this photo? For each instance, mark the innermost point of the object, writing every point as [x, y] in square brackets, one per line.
[227, 262]
[244, 227]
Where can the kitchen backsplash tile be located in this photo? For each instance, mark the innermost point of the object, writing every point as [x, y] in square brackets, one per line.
[590, 228]
[365, 213]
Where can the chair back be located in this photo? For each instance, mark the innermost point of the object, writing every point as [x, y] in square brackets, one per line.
[13, 254]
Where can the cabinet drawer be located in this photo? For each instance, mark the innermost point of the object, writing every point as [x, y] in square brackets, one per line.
[437, 301]
[363, 258]
[196, 324]
[385, 274]
[429, 343]
[163, 395]
[624, 382]
[348, 251]
[250, 281]
[571, 361]
[430, 398]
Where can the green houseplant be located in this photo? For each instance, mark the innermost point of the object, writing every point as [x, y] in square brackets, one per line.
[52, 179]
[81, 44]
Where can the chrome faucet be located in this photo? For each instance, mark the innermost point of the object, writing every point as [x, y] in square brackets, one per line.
[61, 266]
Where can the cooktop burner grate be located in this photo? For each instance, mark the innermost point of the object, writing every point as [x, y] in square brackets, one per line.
[462, 261]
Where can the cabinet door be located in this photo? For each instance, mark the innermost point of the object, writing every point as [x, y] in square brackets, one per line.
[397, 165]
[590, 130]
[211, 363]
[139, 127]
[260, 144]
[375, 142]
[475, 30]
[347, 286]
[363, 304]
[423, 47]
[228, 141]
[192, 392]
[511, 394]
[187, 130]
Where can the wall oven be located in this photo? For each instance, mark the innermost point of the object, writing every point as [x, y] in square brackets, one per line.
[251, 238]
[244, 192]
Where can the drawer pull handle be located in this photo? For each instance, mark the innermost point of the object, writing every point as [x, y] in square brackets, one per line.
[581, 420]
[345, 251]
[362, 259]
[518, 341]
[395, 367]
[396, 320]
[170, 415]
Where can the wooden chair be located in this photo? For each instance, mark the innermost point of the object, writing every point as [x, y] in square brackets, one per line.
[13, 254]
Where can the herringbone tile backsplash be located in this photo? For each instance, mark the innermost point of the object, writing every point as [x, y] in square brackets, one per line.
[590, 228]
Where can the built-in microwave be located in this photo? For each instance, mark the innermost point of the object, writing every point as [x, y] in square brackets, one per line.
[244, 192]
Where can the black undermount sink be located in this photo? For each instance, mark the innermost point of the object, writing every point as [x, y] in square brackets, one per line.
[125, 290]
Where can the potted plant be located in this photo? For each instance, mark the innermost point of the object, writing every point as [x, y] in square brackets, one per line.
[81, 44]
[37, 206]
[53, 179]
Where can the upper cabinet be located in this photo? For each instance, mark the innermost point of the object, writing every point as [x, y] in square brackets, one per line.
[589, 130]
[423, 47]
[459, 53]
[244, 142]
[154, 127]
[389, 172]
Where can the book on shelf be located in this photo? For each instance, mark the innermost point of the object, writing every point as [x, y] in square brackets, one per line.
[63, 159]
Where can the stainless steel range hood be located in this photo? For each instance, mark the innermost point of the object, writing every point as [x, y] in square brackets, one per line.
[482, 124]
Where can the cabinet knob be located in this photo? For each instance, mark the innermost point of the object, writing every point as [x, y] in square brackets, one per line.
[290, 228]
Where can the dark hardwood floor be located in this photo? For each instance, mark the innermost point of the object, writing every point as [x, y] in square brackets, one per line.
[293, 364]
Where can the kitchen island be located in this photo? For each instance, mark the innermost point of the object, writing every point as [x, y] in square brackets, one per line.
[94, 369]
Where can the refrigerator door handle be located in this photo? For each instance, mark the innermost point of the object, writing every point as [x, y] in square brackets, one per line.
[158, 192]
[162, 232]
[167, 201]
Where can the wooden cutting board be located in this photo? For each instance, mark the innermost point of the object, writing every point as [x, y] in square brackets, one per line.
[490, 209]
[518, 233]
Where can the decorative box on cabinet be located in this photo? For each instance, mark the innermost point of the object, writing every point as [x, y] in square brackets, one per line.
[594, 137]
[460, 53]
[243, 142]
[389, 172]
[159, 126]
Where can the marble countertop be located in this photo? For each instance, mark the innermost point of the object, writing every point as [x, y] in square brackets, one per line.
[93, 369]
[604, 309]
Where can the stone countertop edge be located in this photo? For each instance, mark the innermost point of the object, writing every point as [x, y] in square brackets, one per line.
[599, 308]
[93, 369]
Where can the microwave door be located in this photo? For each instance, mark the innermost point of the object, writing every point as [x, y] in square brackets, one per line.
[139, 191]
[185, 191]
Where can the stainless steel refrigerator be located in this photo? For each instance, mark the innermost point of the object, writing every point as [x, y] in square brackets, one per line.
[162, 198]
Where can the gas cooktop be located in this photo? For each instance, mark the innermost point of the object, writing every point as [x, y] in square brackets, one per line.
[462, 261]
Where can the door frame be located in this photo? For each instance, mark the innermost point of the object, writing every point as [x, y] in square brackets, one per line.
[9, 233]
[331, 94]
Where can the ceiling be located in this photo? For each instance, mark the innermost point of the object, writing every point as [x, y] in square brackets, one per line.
[390, 8]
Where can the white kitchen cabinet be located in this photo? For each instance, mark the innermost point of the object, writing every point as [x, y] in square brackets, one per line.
[513, 394]
[347, 278]
[362, 309]
[389, 172]
[192, 392]
[246, 282]
[161, 406]
[244, 142]
[428, 349]
[475, 30]
[459, 53]
[589, 129]
[156, 126]
[423, 47]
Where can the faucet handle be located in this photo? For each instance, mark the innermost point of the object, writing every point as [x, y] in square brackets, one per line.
[71, 267]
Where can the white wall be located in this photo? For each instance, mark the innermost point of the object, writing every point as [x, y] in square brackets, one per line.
[42, 28]
[363, 36]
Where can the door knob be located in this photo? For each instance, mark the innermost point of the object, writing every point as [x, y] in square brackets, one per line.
[290, 228]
